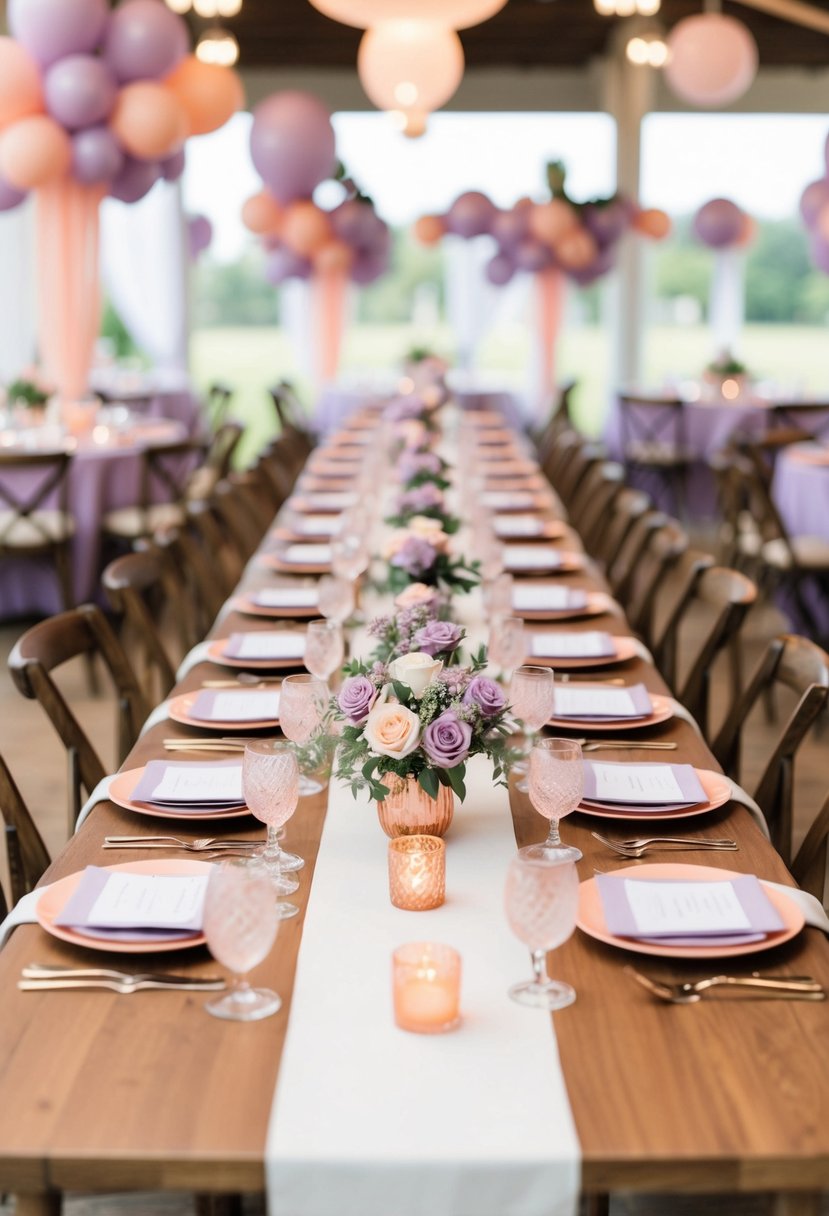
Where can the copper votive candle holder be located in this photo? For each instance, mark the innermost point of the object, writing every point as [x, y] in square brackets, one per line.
[417, 872]
[427, 987]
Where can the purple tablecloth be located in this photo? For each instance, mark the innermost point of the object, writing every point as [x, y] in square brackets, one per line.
[801, 490]
[101, 479]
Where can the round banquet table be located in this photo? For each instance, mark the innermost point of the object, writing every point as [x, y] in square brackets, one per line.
[157, 394]
[801, 489]
[105, 473]
[708, 425]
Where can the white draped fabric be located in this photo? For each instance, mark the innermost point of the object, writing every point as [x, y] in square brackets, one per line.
[18, 310]
[727, 299]
[145, 267]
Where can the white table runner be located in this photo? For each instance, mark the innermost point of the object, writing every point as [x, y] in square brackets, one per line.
[373, 1120]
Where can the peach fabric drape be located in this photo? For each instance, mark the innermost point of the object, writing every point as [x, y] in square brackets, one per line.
[328, 321]
[69, 292]
[549, 286]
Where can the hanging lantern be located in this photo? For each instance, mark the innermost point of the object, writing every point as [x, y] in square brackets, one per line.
[712, 59]
[413, 66]
[452, 14]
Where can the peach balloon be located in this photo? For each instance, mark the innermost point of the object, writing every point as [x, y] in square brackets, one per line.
[410, 65]
[551, 222]
[306, 229]
[148, 121]
[34, 151]
[333, 258]
[263, 215]
[457, 14]
[21, 94]
[748, 233]
[209, 93]
[653, 223]
[577, 250]
[429, 229]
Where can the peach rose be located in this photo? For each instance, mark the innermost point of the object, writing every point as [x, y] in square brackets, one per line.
[395, 543]
[392, 730]
[429, 529]
[415, 593]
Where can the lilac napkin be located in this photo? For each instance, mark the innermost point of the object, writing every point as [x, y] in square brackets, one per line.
[78, 910]
[155, 771]
[760, 915]
[685, 775]
[636, 695]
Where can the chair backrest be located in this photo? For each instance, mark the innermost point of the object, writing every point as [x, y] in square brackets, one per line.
[167, 471]
[236, 503]
[651, 421]
[664, 548]
[26, 853]
[217, 461]
[802, 667]
[196, 579]
[559, 420]
[136, 587]
[219, 397]
[719, 599]
[594, 504]
[628, 507]
[31, 482]
[47, 646]
[281, 468]
[810, 866]
[584, 456]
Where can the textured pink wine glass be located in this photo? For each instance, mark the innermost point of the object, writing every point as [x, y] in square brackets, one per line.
[541, 902]
[556, 786]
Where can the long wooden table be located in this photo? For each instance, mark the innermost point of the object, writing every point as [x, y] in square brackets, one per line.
[104, 1093]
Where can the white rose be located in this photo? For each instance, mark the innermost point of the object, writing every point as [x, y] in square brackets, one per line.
[416, 669]
[392, 730]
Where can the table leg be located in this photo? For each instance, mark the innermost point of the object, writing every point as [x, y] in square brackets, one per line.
[44, 1203]
[797, 1203]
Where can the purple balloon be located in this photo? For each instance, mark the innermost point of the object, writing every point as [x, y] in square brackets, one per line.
[292, 144]
[144, 41]
[510, 227]
[96, 156]
[284, 264]
[80, 91]
[10, 197]
[719, 223]
[51, 29]
[602, 264]
[500, 269]
[471, 214]
[606, 223]
[819, 250]
[200, 234]
[369, 266]
[813, 199]
[355, 223]
[173, 167]
[136, 178]
[533, 256]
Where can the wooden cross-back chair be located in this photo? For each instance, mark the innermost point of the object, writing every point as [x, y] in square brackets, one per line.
[82, 631]
[595, 502]
[811, 863]
[655, 448]
[196, 579]
[35, 520]
[665, 545]
[623, 567]
[167, 471]
[244, 516]
[559, 454]
[278, 463]
[582, 456]
[136, 586]
[802, 667]
[560, 419]
[719, 600]
[219, 397]
[217, 462]
[26, 853]
[291, 419]
[628, 508]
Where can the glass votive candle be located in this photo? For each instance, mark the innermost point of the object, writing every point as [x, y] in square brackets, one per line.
[417, 872]
[427, 987]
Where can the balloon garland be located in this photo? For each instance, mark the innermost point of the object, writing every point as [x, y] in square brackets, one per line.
[727, 230]
[554, 240]
[293, 148]
[94, 101]
[814, 210]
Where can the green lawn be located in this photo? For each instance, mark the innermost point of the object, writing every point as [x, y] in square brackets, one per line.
[251, 359]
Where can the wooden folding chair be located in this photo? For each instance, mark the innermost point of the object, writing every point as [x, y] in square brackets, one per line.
[217, 462]
[802, 667]
[666, 546]
[595, 502]
[47, 646]
[167, 472]
[219, 397]
[655, 445]
[628, 508]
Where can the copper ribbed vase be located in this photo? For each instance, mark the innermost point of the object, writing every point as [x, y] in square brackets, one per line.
[407, 810]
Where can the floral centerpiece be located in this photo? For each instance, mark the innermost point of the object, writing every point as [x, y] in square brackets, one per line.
[727, 376]
[421, 468]
[416, 626]
[423, 501]
[408, 729]
[27, 393]
[419, 553]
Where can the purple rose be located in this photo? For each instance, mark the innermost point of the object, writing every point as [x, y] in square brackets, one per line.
[403, 408]
[486, 694]
[421, 498]
[438, 637]
[356, 698]
[446, 740]
[416, 556]
[412, 464]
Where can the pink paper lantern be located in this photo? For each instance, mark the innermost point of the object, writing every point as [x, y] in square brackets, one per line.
[713, 59]
[452, 14]
[410, 64]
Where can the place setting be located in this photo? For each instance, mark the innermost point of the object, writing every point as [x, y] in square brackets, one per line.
[577, 650]
[292, 602]
[259, 650]
[227, 709]
[299, 558]
[553, 602]
[531, 527]
[186, 789]
[539, 559]
[599, 707]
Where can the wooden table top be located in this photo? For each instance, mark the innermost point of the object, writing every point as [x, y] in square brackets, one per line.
[100, 1092]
